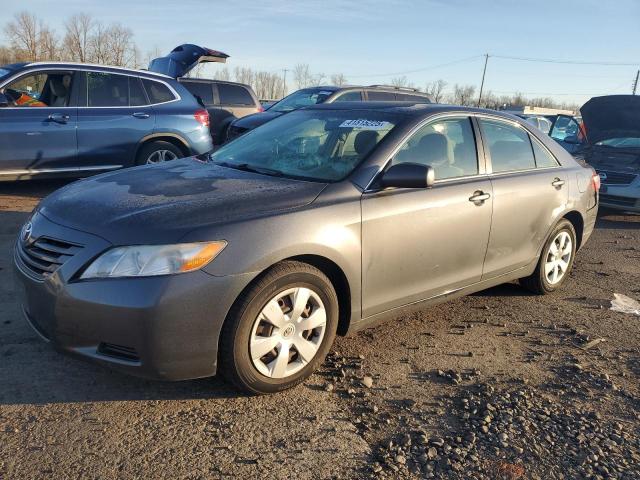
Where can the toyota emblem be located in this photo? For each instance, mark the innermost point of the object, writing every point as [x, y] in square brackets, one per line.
[26, 232]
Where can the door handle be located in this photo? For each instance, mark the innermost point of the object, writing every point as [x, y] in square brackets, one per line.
[59, 117]
[557, 182]
[479, 197]
[140, 115]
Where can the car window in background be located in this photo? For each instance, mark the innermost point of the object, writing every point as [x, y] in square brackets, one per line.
[563, 128]
[448, 146]
[107, 90]
[234, 95]
[542, 155]
[157, 92]
[621, 142]
[201, 90]
[40, 90]
[309, 144]
[354, 96]
[404, 97]
[544, 124]
[509, 146]
[375, 96]
[136, 92]
[301, 98]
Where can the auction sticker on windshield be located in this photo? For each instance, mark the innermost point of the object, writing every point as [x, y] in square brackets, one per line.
[366, 124]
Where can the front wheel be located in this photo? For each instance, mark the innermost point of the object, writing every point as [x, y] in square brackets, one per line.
[158, 152]
[280, 330]
[555, 261]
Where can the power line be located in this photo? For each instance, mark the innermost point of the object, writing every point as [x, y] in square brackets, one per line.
[424, 69]
[569, 62]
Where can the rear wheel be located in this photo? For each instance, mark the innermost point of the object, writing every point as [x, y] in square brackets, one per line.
[280, 329]
[158, 152]
[555, 261]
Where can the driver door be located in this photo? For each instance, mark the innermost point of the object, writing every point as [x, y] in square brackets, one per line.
[38, 128]
[422, 243]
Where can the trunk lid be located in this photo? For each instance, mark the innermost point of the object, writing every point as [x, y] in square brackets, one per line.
[184, 58]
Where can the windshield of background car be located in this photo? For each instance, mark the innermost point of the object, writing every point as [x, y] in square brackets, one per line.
[4, 72]
[621, 142]
[316, 145]
[301, 98]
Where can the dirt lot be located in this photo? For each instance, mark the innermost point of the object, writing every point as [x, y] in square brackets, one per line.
[499, 384]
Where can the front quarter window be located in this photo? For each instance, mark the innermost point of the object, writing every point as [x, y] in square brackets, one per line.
[312, 145]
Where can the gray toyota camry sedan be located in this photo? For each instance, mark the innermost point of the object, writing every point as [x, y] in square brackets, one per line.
[249, 260]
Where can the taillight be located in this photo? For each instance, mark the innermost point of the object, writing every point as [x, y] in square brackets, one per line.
[596, 181]
[260, 108]
[202, 116]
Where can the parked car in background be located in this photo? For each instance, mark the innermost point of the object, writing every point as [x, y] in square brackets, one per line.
[74, 119]
[267, 104]
[248, 261]
[328, 94]
[608, 139]
[539, 121]
[225, 102]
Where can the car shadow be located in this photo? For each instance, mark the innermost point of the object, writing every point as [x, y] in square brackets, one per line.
[613, 220]
[504, 290]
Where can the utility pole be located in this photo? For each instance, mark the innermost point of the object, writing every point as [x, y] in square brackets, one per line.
[486, 60]
[635, 82]
[284, 82]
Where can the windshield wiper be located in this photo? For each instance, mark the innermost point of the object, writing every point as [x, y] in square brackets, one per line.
[251, 168]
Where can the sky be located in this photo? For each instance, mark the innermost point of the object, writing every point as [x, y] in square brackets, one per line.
[373, 41]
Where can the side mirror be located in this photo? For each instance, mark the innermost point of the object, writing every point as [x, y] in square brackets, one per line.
[408, 175]
[4, 100]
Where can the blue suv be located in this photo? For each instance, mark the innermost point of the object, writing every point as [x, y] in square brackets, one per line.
[74, 119]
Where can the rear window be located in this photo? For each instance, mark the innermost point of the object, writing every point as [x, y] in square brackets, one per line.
[509, 146]
[136, 92]
[157, 92]
[201, 90]
[107, 90]
[381, 96]
[234, 95]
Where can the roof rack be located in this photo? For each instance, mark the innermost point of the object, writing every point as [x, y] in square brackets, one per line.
[394, 87]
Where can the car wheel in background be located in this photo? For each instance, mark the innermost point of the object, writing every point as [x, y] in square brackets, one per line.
[279, 330]
[555, 261]
[158, 152]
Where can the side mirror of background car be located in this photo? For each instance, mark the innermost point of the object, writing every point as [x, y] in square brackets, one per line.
[4, 101]
[408, 175]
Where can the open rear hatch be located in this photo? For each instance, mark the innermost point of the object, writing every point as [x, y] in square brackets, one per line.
[611, 116]
[184, 58]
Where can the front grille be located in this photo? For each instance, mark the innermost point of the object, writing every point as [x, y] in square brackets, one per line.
[45, 255]
[121, 352]
[616, 200]
[617, 178]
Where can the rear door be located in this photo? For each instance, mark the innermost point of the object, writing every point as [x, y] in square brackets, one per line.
[184, 58]
[38, 128]
[113, 118]
[529, 189]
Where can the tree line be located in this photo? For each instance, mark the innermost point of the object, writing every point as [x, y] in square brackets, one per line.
[87, 40]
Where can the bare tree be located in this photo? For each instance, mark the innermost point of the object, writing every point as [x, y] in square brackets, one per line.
[435, 90]
[120, 44]
[401, 82]
[463, 94]
[22, 33]
[48, 43]
[338, 79]
[302, 75]
[77, 39]
[223, 74]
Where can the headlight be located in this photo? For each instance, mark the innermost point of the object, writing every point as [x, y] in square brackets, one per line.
[151, 260]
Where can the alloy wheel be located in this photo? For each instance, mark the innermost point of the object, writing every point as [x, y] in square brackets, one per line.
[160, 156]
[558, 258]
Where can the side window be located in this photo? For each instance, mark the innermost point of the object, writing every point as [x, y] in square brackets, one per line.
[107, 90]
[136, 93]
[353, 96]
[234, 95]
[200, 90]
[403, 97]
[543, 156]
[40, 90]
[157, 92]
[377, 96]
[545, 125]
[448, 146]
[509, 146]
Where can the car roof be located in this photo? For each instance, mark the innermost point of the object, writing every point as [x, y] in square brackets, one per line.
[110, 68]
[407, 108]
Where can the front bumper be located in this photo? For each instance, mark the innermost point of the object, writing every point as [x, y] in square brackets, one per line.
[617, 197]
[164, 327]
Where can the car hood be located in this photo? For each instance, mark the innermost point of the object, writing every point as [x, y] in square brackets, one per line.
[613, 159]
[162, 203]
[611, 116]
[255, 120]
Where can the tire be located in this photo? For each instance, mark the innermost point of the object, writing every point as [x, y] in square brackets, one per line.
[243, 330]
[148, 150]
[542, 281]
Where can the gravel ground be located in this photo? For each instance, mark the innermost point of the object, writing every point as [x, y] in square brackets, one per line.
[501, 384]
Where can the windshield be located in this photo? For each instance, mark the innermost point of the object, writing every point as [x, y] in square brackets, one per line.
[301, 98]
[621, 142]
[311, 145]
[4, 72]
